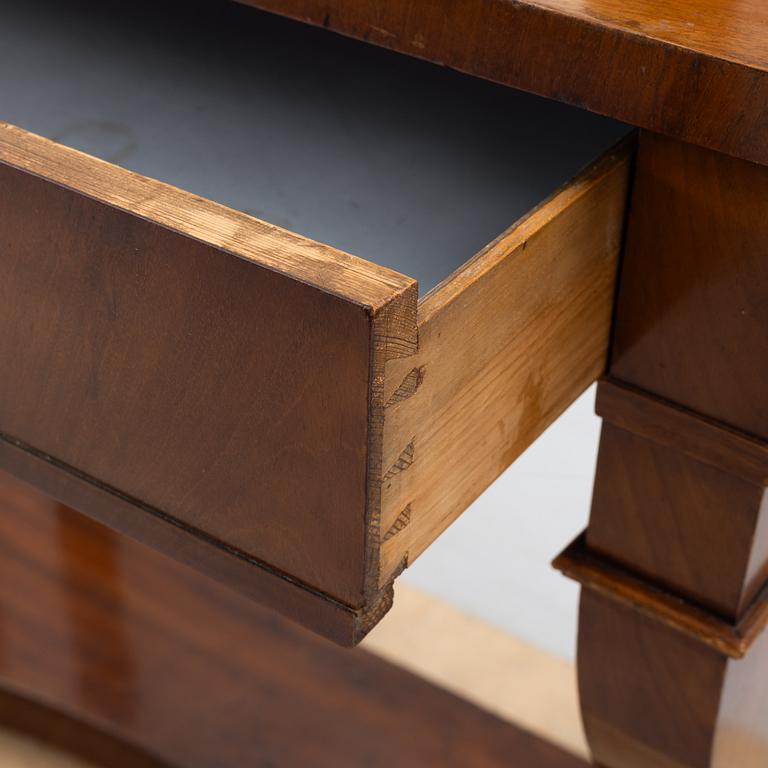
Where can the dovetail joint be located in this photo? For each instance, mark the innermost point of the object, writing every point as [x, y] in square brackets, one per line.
[404, 460]
[402, 522]
[407, 388]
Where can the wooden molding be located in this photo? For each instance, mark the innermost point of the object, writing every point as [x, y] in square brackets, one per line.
[675, 427]
[601, 575]
[257, 580]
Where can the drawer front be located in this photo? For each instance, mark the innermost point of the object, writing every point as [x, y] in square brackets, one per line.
[273, 412]
[152, 346]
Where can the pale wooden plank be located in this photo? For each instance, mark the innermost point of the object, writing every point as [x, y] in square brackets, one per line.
[505, 345]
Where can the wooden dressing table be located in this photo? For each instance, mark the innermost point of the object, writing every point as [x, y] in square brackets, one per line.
[260, 430]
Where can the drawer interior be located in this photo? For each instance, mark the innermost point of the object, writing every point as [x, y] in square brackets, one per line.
[404, 163]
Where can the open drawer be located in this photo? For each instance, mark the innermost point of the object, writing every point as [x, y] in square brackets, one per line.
[288, 418]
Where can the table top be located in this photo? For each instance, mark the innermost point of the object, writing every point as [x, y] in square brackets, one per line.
[731, 30]
[693, 69]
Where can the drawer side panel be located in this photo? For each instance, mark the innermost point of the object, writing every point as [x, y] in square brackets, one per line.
[505, 346]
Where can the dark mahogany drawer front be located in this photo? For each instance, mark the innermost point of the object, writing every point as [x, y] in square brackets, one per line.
[277, 413]
[202, 385]
[160, 364]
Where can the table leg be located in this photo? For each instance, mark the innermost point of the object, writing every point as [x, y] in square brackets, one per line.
[676, 552]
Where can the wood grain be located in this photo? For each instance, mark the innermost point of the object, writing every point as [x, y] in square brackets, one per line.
[680, 497]
[653, 698]
[696, 70]
[176, 377]
[704, 537]
[649, 694]
[202, 368]
[692, 316]
[232, 232]
[505, 345]
[328, 617]
[670, 425]
[144, 652]
[601, 575]
[691, 328]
